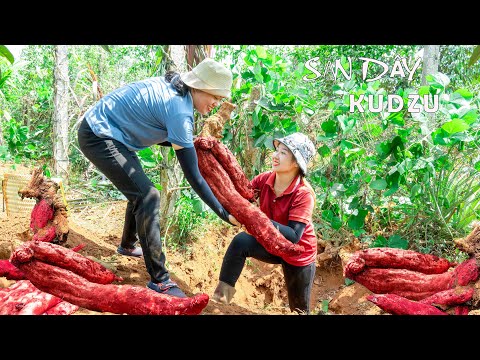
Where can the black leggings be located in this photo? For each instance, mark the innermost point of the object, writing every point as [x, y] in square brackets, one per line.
[299, 279]
[124, 170]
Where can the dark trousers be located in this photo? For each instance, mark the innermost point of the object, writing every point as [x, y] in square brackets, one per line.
[299, 279]
[122, 167]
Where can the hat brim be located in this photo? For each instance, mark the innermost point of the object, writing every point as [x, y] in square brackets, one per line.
[194, 82]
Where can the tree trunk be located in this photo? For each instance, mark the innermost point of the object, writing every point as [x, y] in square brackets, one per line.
[251, 158]
[60, 117]
[431, 59]
[170, 174]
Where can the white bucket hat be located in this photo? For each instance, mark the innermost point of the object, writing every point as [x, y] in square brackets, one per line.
[301, 147]
[211, 77]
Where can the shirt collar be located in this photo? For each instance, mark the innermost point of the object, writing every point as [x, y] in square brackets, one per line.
[291, 188]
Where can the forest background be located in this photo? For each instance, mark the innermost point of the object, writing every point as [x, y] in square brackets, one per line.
[396, 128]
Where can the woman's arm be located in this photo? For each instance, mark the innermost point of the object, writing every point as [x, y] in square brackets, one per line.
[187, 157]
[293, 232]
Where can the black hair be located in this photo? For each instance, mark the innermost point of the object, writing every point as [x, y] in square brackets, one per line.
[174, 78]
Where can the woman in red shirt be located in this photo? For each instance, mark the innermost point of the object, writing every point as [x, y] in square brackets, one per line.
[288, 200]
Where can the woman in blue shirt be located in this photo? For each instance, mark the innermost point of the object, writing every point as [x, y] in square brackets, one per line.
[133, 117]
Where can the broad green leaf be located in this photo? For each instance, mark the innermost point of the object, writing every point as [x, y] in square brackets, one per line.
[416, 189]
[358, 232]
[379, 184]
[380, 241]
[261, 52]
[325, 306]
[106, 48]
[327, 215]
[396, 118]
[391, 190]
[374, 129]
[475, 56]
[458, 99]
[257, 70]
[197, 205]
[6, 54]
[424, 90]
[148, 164]
[467, 95]
[267, 104]
[247, 75]
[329, 126]
[455, 126]
[336, 223]
[356, 222]
[438, 80]
[324, 151]
[468, 115]
[354, 204]
[308, 111]
[441, 137]
[255, 119]
[396, 241]
[383, 149]
[260, 140]
[338, 187]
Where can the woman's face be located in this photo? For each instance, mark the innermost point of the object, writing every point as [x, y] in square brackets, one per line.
[204, 102]
[283, 160]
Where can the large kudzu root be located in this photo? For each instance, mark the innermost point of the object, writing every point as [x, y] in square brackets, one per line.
[10, 271]
[118, 299]
[455, 296]
[415, 285]
[229, 163]
[395, 259]
[398, 305]
[231, 187]
[257, 223]
[72, 277]
[65, 258]
[48, 219]
[405, 282]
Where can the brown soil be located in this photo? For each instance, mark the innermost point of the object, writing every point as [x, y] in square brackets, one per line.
[260, 289]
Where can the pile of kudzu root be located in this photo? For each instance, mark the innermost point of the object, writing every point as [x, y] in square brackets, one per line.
[405, 282]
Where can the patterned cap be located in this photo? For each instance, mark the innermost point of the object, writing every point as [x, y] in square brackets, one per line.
[300, 146]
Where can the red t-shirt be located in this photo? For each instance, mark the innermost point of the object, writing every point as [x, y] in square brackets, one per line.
[296, 203]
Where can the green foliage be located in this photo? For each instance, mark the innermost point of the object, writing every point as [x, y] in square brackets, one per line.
[378, 172]
[394, 241]
[397, 179]
[458, 61]
[412, 162]
[187, 222]
[21, 144]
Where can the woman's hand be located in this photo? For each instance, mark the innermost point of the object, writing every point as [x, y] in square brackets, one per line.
[233, 220]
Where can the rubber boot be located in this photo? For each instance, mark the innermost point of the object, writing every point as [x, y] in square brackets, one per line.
[223, 293]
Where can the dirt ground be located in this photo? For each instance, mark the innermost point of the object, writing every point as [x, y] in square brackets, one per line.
[260, 289]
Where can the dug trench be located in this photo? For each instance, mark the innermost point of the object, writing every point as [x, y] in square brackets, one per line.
[260, 288]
